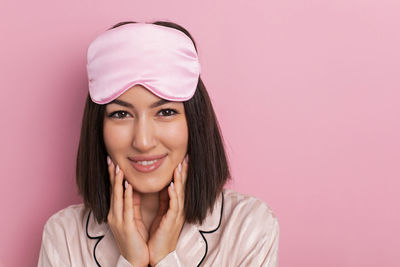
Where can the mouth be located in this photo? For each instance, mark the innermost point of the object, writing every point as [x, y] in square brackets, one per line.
[147, 165]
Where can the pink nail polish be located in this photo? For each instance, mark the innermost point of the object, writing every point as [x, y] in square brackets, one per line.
[172, 186]
[126, 184]
[108, 160]
[117, 170]
[187, 158]
[180, 167]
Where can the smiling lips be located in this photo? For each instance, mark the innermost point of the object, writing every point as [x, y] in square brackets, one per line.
[147, 163]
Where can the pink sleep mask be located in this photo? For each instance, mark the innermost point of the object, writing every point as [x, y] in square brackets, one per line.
[162, 59]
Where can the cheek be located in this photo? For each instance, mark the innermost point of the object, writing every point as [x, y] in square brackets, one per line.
[116, 137]
[175, 136]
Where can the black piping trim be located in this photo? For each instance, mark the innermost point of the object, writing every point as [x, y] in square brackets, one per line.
[93, 237]
[212, 231]
[99, 238]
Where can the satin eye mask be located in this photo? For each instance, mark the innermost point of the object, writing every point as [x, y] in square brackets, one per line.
[162, 59]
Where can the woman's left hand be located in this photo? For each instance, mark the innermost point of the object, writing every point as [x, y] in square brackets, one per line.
[167, 225]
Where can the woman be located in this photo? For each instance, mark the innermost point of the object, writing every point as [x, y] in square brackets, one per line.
[151, 165]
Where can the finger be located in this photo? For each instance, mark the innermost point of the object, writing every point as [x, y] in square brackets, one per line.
[111, 172]
[128, 203]
[178, 183]
[164, 199]
[118, 195]
[184, 174]
[111, 176]
[136, 205]
[181, 185]
[173, 209]
[185, 168]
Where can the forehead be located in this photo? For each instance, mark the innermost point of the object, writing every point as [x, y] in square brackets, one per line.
[139, 96]
[138, 92]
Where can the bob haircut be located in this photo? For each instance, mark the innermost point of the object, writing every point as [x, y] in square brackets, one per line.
[208, 166]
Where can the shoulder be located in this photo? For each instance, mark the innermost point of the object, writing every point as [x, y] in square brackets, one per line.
[62, 234]
[65, 220]
[246, 203]
[252, 226]
[247, 210]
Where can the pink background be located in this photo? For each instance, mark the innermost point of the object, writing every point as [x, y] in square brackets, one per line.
[307, 94]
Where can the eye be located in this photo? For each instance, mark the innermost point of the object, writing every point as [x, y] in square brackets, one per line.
[120, 112]
[168, 112]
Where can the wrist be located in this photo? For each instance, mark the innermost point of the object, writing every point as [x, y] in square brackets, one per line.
[153, 263]
[135, 264]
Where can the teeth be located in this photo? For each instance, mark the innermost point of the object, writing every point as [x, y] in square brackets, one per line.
[145, 163]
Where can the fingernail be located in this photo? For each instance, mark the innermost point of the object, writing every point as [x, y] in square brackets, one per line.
[117, 170]
[172, 185]
[108, 160]
[180, 167]
[126, 184]
[187, 158]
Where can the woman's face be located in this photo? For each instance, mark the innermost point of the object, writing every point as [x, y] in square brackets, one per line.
[148, 126]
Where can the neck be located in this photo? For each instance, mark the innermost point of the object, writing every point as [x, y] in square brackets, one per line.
[149, 204]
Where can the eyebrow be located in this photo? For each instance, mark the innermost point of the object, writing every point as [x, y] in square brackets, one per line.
[129, 105]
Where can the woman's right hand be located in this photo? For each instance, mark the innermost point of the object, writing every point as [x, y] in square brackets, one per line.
[125, 219]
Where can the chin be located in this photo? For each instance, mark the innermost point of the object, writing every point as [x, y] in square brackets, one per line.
[147, 186]
[148, 190]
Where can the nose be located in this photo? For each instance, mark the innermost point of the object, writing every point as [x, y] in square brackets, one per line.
[143, 135]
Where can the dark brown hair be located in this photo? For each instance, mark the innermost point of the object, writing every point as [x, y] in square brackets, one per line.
[208, 166]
